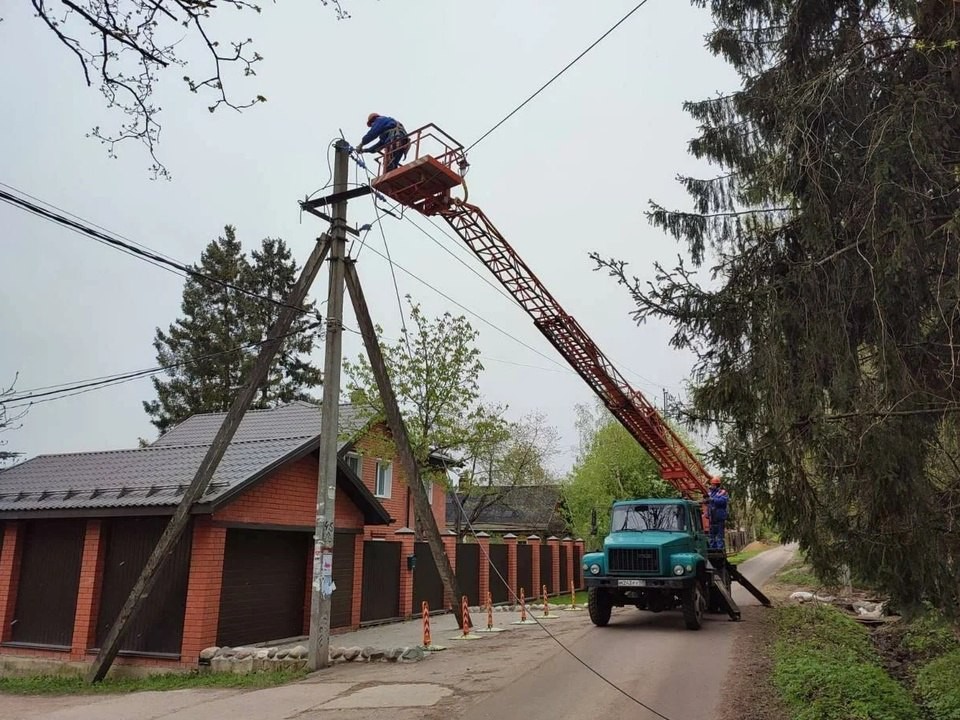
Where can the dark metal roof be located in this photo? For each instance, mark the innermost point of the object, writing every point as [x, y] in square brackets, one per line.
[298, 419]
[156, 476]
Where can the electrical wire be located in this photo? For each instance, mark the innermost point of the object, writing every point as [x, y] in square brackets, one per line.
[513, 595]
[50, 393]
[551, 80]
[111, 240]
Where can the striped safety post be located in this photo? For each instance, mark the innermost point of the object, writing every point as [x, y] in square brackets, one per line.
[546, 604]
[573, 596]
[489, 611]
[465, 611]
[425, 611]
[523, 607]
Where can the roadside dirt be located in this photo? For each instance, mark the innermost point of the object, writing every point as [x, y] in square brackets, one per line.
[748, 692]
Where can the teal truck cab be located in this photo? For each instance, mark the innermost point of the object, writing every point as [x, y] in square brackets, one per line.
[656, 557]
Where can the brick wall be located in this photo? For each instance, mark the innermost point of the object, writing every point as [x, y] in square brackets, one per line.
[288, 497]
[373, 447]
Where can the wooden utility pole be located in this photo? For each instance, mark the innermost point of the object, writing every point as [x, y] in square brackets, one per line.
[398, 429]
[268, 350]
[320, 596]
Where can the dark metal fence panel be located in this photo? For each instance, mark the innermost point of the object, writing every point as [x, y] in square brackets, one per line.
[497, 573]
[341, 604]
[264, 585]
[381, 581]
[128, 542]
[546, 567]
[525, 571]
[468, 571]
[427, 584]
[578, 567]
[48, 583]
[564, 569]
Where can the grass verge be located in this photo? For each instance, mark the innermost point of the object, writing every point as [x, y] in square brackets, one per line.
[825, 668]
[938, 685]
[750, 551]
[73, 685]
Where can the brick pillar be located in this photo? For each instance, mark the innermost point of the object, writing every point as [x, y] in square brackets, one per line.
[357, 604]
[554, 543]
[88, 591]
[578, 543]
[203, 589]
[571, 578]
[534, 542]
[510, 540]
[483, 539]
[407, 537]
[450, 545]
[9, 575]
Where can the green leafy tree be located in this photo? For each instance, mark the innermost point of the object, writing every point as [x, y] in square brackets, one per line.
[611, 465]
[211, 348]
[826, 340]
[434, 369]
[501, 457]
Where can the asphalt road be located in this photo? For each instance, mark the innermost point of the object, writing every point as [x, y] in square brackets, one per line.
[653, 657]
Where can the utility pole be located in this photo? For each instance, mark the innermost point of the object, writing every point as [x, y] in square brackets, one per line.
[319, 646]
[148, 576]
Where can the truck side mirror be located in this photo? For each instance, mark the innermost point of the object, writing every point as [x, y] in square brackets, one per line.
[593, 522]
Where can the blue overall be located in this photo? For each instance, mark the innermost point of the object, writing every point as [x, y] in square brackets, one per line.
[718, 516]
[390, 132]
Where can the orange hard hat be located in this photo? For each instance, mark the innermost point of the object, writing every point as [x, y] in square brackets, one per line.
[371, 117]
[715, 480]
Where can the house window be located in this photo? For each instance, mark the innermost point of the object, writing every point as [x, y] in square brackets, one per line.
[428, 488]
[384, 479]
[355, 463]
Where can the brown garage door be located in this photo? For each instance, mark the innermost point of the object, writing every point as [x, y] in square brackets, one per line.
[264, 585]
[158, 628]
[49, 578]
[341, 604]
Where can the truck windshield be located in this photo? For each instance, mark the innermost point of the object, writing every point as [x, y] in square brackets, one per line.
[649, 517]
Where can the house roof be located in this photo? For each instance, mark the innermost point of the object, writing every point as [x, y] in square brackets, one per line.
[156, 476]
[518, 507]
[297, 419]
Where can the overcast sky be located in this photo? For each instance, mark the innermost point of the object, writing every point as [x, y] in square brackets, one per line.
[570, 173]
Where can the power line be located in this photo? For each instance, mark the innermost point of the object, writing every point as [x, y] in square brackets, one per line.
[128, 248]
[551, 80]
[50, 393]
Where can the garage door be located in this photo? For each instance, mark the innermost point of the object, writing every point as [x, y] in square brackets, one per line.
[341, 604]
[264, 581]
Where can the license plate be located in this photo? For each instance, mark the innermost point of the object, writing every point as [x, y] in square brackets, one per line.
[630, 583]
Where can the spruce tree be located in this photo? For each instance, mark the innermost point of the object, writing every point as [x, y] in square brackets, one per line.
[827, 338]
[210, 349]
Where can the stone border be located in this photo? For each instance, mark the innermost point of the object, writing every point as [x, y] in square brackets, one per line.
[242, 660]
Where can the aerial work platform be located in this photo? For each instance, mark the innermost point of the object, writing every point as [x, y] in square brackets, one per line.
[436, 165]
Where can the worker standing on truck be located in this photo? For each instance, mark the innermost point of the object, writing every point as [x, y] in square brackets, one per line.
[391, 133]
[718, 501]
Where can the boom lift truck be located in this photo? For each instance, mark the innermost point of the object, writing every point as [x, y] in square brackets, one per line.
[657, 556]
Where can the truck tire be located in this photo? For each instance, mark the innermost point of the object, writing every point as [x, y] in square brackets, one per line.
[600, 605]
[694, 603]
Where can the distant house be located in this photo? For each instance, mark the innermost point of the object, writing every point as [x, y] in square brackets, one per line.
[522, 510]
[76, 529]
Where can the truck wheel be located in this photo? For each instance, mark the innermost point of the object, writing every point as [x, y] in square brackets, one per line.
[694, 602]
[600, 605]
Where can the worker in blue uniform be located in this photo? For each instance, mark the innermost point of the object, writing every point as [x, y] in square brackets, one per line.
[392, 136]
[718, 501]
